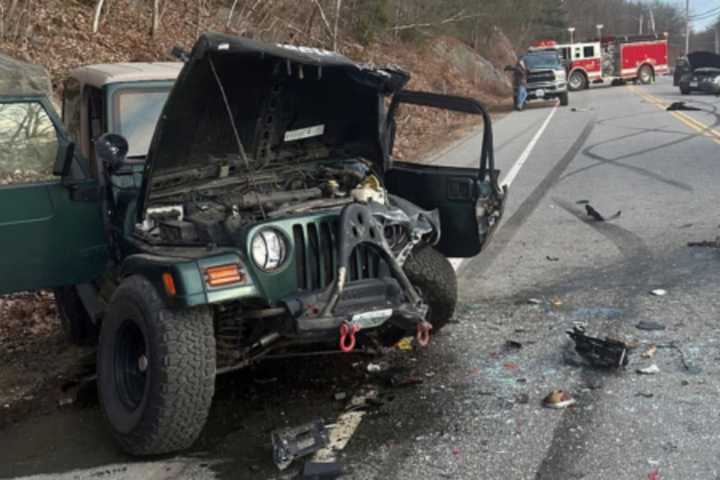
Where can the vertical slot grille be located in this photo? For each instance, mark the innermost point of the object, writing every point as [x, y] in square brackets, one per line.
[316, 256]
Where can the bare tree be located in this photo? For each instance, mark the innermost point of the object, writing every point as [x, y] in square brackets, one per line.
[96, 18]
[338, 6]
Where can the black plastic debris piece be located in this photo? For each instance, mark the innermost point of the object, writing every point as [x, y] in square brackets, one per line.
[681, 106]
[649, 325]
[511, 345]
[608, 353]
[597, 216]
[321, 471]
[295, 442]
[706, 243]
[582, 202]
[552, 259]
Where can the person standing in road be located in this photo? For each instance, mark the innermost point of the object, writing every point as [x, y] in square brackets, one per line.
[519, 73]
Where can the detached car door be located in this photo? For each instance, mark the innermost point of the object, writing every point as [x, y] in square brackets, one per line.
[424, 131]
[51, 228]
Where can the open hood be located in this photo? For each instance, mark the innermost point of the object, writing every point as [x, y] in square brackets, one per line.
[703, 60]
[288, 104]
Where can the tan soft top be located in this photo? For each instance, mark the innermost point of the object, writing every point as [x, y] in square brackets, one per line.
[106, 73]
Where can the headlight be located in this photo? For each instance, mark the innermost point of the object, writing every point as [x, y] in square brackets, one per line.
[269, 249]
[560, 74]
[717, 80]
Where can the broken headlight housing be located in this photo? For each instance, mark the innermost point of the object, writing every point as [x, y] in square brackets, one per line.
[269, 249]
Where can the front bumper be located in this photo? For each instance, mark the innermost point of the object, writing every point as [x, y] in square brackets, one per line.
[549, 89]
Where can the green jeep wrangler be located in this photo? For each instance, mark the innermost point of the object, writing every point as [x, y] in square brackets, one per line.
[241, 203]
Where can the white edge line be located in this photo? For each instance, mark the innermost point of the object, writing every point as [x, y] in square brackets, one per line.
[515, 169]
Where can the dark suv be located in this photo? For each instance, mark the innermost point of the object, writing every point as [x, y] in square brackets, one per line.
[266, 215]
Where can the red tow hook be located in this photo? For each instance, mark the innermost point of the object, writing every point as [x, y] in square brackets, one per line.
[347, 337]
[423, 333]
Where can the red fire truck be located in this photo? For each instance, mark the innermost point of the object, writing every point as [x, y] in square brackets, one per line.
[615, 59]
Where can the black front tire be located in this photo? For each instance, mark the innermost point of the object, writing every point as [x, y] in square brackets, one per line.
[431, 273]
[564, 99]
[577, 81]
[156, 370]
[646, 75]
[76, 323]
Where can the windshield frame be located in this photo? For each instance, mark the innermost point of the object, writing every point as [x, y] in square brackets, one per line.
[112, 105]
[555, 66]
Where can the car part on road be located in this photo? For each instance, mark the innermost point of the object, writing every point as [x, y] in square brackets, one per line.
[706, 243]
[294, 442]
[608, 353]
[558, 400]
[597, 216]
[649, 325]
[651, 370]
[659, 292]
[681, 106]
[321, 471]
[650, 352]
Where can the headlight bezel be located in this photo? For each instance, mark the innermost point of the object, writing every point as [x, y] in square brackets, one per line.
[267, 239]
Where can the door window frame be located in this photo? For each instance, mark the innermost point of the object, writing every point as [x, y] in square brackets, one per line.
[60, 134]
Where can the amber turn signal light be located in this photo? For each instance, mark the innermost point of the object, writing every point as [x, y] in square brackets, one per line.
[169, 283]
[224, 275]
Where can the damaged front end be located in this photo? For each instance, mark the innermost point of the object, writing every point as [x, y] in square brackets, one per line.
[270, 194]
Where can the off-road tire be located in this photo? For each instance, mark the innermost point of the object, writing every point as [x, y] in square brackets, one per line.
[577, 81]
[645, 75]
[430, 272]
[564, 99]
[76, 323]
[179, 382]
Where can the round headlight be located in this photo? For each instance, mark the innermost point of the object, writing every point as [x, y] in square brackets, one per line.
[269, 249]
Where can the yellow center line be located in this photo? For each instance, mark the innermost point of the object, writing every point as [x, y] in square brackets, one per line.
[687, 120]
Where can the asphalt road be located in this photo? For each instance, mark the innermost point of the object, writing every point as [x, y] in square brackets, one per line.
[474, 409]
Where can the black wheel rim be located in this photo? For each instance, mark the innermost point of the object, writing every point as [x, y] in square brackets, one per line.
[131, 364]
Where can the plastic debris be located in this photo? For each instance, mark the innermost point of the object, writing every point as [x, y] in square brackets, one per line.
[295, 442]
[659, 292]
[650, 352]
[405, 344]
[558, 399]
[649, 325]
[681, 106]
[597, 216]
[374, 367]
[321, 471]
[556, 302]
[608, 353]
[645, 394]
[535, 301]
[552, 259]
[651, 370]
[513, 345]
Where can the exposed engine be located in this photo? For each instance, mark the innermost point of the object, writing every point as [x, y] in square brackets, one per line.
[216, 211]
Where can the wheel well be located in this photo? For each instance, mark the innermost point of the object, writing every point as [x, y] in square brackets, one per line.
[581, 72]
[649, 65]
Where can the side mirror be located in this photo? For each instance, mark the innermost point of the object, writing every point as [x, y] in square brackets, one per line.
[111, 150]
[64, 159]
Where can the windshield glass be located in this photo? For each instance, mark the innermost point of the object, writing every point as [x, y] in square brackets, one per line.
[135, 113]
[542, 60]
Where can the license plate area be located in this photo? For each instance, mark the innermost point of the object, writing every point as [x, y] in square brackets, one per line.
[540, 93]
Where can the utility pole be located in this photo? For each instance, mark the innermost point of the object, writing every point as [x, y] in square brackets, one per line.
[687, 27]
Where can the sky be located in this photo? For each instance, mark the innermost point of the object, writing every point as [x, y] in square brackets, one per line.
[698, 7]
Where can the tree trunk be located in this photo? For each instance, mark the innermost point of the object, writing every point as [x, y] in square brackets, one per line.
[338, 6]
[155, 18]
[96, 18]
